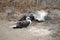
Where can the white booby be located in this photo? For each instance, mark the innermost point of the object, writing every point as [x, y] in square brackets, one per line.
[24, 23]
[40, 15]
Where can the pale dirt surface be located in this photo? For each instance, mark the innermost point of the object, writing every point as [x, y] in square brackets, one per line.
[14, 10]
[38, 31]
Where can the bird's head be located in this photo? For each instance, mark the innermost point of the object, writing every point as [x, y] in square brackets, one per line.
[28, 19]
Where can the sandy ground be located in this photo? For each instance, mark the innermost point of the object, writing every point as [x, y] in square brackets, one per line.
[49, 30]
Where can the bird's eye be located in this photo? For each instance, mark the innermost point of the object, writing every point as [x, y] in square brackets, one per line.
[28, 18]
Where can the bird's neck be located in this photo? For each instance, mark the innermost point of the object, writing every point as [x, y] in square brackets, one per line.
[28, 20]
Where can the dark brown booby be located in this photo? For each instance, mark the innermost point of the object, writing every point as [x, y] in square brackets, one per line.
[24, 23]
